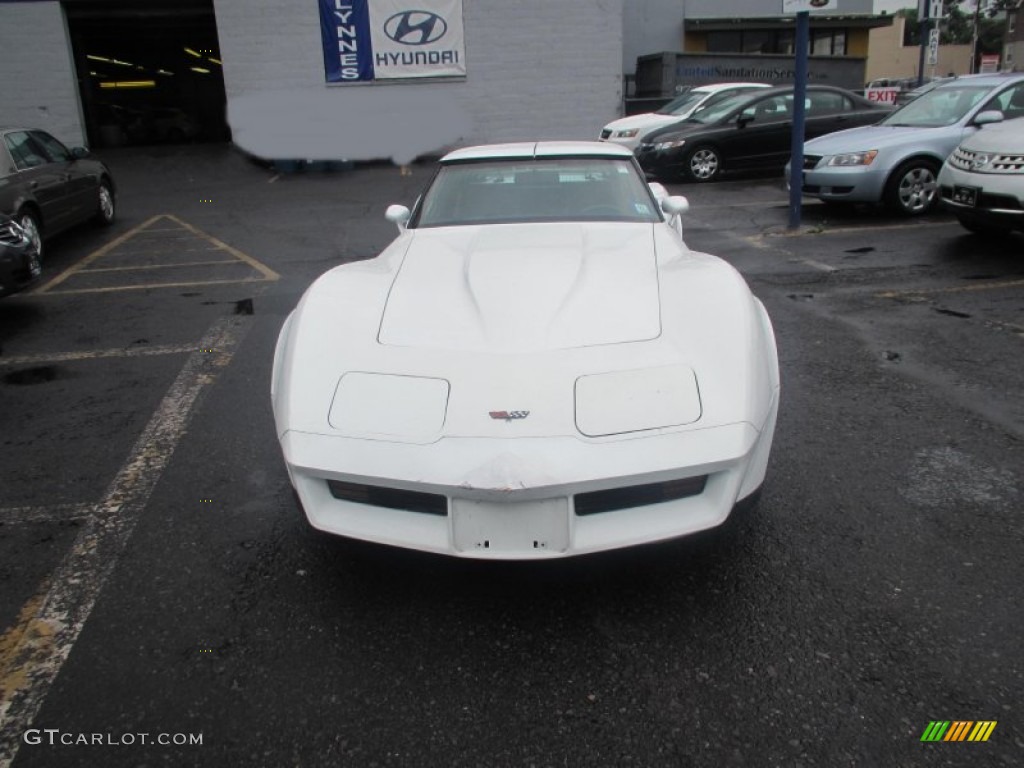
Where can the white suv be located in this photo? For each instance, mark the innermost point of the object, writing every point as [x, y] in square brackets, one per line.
[628, 131]
[982, 182]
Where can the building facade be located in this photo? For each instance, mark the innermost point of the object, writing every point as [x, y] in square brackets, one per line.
[529, 73]
[757, 26]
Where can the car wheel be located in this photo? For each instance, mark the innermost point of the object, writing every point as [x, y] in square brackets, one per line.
[985, 230]
[703, 164]
[30, 223]
[913, 188]
[105, 213]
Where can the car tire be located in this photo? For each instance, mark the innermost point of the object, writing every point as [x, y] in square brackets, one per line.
[106, 208]
[29, 221]
[703, 163]
[983, 229]
[913, 187]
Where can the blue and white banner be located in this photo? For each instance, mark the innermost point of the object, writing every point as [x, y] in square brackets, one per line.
[387, 39]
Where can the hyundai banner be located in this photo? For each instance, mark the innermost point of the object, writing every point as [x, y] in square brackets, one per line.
[367, 40]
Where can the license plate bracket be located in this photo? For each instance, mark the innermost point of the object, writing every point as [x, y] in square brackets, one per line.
[510, 528]
[966, 195]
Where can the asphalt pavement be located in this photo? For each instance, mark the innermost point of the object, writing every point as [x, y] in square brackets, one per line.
[158, 584]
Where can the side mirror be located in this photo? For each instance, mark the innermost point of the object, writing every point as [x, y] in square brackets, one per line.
[397, 215]
[675, 205]
[743, 118]
[988, 116]
[79, 153]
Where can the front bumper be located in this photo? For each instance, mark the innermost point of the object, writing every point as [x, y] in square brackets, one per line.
[19, 268]
[998, 200]
[855, 184]
[522, 499]
[668, 163]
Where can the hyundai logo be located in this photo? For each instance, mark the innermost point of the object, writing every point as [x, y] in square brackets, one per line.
[415, 27]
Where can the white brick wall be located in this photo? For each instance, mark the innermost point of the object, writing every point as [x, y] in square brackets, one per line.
[536, 69]
[37, 85]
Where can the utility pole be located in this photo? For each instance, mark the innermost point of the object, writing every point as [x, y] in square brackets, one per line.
[923, 13]
[974, 37]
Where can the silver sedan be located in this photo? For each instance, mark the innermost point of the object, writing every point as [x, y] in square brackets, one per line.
[897, 161]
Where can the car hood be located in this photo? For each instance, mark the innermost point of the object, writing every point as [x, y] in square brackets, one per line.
[1005, 137]
[648, 121]
[524, 287]
[884, 137]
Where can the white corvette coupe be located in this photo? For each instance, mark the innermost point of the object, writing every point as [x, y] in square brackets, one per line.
[536, 367]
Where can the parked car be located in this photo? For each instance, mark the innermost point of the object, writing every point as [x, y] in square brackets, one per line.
[536, 367]
[897, 161]
[19, 258]
[749, 131]
[48, 188]
[628, 131]
[982, 182]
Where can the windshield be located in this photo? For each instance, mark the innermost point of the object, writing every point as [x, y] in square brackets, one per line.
[940, 107]
[682, 104]
[715, 113]
[502, 191]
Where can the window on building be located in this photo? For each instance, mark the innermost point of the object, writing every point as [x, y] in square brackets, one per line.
[826, 42]
[724, 42]
[758, 41]
[839, 43]
[784, 42]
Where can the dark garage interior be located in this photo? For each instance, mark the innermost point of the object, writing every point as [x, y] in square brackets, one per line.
[148, 72]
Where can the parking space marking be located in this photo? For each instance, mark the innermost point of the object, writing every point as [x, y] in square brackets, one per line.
[165, 259]
[821, 230]
[144, 286]
[158, 266]
[951, 289]
[96, 354]
[33, 652]
[48, 514]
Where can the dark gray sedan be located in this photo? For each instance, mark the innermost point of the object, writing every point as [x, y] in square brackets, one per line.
[749, 132]
[47, 188]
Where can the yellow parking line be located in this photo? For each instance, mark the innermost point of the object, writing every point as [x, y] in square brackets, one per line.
[159, 266]
[94, 256]
[951, 289]
[116, 288]
[264, 270]
[145, 228]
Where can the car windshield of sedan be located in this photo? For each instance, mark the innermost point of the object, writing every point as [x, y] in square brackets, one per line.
[715, 113]
[938, 108]
[505, 191]
[682, 104]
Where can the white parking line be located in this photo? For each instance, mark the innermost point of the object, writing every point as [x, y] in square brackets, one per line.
[48, 514]
[33, 652]
[97, 354]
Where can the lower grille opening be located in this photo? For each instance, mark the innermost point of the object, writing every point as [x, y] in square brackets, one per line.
[390, 498]
[638, 495]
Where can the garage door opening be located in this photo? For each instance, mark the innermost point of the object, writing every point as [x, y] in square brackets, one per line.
[148, 72]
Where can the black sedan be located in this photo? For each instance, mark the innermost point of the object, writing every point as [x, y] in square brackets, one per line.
[749, 132]
[46, 187]
[19, 258]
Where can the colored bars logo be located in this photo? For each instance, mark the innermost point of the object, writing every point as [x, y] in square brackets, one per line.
[958, 730]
